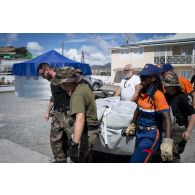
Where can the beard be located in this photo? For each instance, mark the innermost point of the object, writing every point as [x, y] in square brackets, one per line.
[128, 75]
[48, 77]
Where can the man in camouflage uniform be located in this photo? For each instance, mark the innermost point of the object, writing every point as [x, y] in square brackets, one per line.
[58, 110]
[84, 113]
[182, 109]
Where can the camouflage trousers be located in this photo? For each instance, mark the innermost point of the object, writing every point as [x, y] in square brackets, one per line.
[178, 141]
[86, 145]
[60, 135]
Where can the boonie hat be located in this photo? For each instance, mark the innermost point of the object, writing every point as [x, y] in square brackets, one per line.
[171, 80]
[66, 74]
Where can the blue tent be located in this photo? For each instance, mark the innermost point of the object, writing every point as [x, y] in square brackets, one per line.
[56, 60]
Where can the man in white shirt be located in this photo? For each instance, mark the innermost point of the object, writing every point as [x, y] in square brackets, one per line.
[129, 86]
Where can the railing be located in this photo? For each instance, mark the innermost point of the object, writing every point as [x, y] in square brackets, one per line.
[159, 59]
[187, 59]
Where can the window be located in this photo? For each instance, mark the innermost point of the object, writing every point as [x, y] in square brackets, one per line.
[186, 51]
[159, 51]
[125, 54]
[186, 73]
[138, 53]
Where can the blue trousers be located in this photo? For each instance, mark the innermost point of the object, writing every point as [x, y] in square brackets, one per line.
[147, 144]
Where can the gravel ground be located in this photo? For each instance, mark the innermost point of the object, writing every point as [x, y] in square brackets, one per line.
[22, 122]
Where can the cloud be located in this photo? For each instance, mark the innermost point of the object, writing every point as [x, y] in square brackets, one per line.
[35, 48]
[73, 38]
[182, 36]
[77, 40]
[73, 54]
[129, 37]
[11, 38]
[158, 37]
[93, 56]
[97, 52]
[171, 37]
[104, 45]
[88, 49]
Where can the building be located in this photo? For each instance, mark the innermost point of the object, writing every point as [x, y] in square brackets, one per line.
[180, 52]
[101, 70]
[10, 55]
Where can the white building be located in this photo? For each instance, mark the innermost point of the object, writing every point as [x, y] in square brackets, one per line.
[180, 52]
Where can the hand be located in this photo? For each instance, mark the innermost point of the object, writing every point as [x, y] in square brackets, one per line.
[130, 131]
[74, 152]
[47, 116]
[186, 135]
[166, 149]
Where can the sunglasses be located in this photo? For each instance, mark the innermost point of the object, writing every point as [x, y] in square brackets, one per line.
[42, 73]
[128, 70]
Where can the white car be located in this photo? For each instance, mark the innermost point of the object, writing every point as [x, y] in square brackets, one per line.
[96, 84]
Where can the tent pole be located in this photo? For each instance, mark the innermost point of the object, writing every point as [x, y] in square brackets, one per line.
[63, 48]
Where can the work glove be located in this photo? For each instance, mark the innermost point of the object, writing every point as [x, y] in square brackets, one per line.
[130, 131]
[166, 149]
[74, 152]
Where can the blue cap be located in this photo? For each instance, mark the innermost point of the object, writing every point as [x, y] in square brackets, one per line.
[166, 67]
[150, 69]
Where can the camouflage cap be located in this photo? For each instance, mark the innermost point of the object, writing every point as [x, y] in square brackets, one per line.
[65, 74]
[171, 80]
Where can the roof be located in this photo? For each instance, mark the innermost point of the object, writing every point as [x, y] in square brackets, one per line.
[189, 38]
[56, 60]
[15, 52]
[7, 49]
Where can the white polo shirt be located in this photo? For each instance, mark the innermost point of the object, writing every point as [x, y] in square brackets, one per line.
[128, 87]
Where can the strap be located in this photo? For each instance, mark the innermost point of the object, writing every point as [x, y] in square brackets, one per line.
[104, 118]
[106, 113]
[173, 118]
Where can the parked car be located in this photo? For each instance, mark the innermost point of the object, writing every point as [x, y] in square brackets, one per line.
[96, 83]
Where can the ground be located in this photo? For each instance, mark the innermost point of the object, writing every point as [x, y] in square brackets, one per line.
[24, 134]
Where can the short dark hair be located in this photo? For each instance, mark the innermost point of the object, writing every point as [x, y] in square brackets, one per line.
[43, 65]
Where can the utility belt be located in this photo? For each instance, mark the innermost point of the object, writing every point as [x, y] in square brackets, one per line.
[181, 124]
[93, 127]
[146, 128]
[66, 111]
[178, 129]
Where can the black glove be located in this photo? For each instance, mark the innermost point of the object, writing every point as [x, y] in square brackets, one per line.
[123, 132]
[74, 152]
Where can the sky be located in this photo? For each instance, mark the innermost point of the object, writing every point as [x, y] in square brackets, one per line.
[96, 46]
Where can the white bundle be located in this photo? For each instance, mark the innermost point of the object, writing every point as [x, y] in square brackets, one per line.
[114, 116]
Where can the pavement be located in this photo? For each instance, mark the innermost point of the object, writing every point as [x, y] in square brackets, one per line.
[15, 153]
[24, 134]
[5, 88]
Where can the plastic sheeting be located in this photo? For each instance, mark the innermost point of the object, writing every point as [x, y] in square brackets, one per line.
[56, 60]
[115, 115]
[36, 87]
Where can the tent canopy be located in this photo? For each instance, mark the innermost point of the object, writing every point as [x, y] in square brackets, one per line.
[56, 60]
